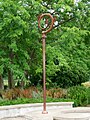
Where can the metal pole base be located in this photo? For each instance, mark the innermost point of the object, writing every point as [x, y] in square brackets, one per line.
[44, 112]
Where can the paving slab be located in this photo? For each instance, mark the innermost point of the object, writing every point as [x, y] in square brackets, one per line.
[73, 116]
[17, 110]
[53, 114]
[56, 114]
[17, 118]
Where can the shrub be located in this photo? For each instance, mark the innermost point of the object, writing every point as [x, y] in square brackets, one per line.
[26, 93]
[88, 94]
[11, 94]
[57, 93]
[79, 95]
[15, 93]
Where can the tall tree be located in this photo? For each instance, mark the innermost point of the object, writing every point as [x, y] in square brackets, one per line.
[13, 26]
[67, 49]
[68, 43]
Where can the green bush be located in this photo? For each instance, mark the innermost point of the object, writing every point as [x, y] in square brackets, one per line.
[79, 95]
[88, 94]
[31, 100]
[20, 101]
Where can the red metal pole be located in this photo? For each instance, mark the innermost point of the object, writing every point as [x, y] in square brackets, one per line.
[44, 74]
[44, 31]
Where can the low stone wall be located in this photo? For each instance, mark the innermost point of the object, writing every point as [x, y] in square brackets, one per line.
[17, 110]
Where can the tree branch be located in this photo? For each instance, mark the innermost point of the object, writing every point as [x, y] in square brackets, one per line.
[62, 22]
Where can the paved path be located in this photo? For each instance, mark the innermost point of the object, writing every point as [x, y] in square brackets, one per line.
[57, 112]
[14, 118]
[37, 115]
[17, 118]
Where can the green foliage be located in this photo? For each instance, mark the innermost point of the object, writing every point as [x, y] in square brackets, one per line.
[13, 25]
[20, 101]
[1, 69]
[67, 46]
[88, 94]
[72, 51]
[31, 95]
[30, 100]
[79, 95]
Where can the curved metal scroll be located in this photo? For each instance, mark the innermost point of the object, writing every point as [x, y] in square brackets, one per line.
[44, 30]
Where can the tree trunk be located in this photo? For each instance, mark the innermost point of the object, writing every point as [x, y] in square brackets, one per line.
[10, 79]
[10, 74]
[1, 83]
